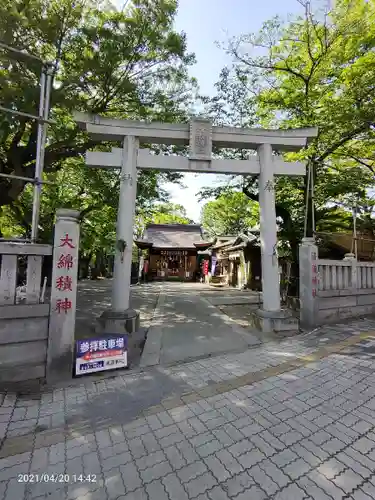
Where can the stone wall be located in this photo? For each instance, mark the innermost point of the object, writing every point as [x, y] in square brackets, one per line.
[23, 344]
[336, 305]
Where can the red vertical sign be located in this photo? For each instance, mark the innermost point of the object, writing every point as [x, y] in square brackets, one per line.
[63, 282]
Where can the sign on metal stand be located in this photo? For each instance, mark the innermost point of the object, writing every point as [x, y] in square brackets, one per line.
[100, 354]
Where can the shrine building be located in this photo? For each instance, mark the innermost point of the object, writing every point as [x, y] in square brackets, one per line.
[173, 251]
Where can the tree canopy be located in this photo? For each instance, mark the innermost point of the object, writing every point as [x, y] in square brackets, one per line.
[129, 64]
[231, 213]
[315, 70]
[161, 213]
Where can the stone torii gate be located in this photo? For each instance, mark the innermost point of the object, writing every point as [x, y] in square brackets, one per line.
[200, 136]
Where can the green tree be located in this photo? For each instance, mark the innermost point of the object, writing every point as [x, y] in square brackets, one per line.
[161, 213]
[231, 213]
[316, 70]
[95, 194]
[128, 63]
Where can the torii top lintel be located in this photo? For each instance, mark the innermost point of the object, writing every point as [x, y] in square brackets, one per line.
[108, 129]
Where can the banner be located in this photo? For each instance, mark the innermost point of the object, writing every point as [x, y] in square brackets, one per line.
[205, 267]
[213, 265]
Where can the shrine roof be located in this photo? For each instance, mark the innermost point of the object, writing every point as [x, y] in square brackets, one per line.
[235, 242]
[173, 236]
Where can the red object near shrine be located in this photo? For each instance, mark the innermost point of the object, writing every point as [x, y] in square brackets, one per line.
[205, 267]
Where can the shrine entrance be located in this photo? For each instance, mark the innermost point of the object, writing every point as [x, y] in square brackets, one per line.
[200, 136]
[172, 264]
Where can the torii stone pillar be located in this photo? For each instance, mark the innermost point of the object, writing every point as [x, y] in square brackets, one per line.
[268, 231]
[270, 317]
[125, 220]
[121, 318]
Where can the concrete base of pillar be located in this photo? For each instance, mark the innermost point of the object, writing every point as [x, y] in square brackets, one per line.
[124, 322]
[281, 322]
[119, 322]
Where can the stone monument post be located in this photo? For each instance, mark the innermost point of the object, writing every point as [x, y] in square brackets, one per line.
[63, 296]
[353, 270]
[308, 283]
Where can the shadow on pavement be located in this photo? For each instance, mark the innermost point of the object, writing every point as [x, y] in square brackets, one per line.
[94, 297]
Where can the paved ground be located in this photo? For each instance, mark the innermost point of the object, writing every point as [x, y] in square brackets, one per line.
[290, 419]
[188, 319]
[287, 420]
[187, 325]
[94, 297]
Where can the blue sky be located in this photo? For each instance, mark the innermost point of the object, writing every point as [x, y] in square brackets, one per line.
[204, 22]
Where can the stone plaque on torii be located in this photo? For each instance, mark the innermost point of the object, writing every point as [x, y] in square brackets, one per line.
[200, 136]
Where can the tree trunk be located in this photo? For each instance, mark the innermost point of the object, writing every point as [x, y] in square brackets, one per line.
[103, 266]
[310, 228]
[99, 269]
[84, 263]
[294, 271]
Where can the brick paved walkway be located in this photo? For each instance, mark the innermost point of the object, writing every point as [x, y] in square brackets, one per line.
[286, 420]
